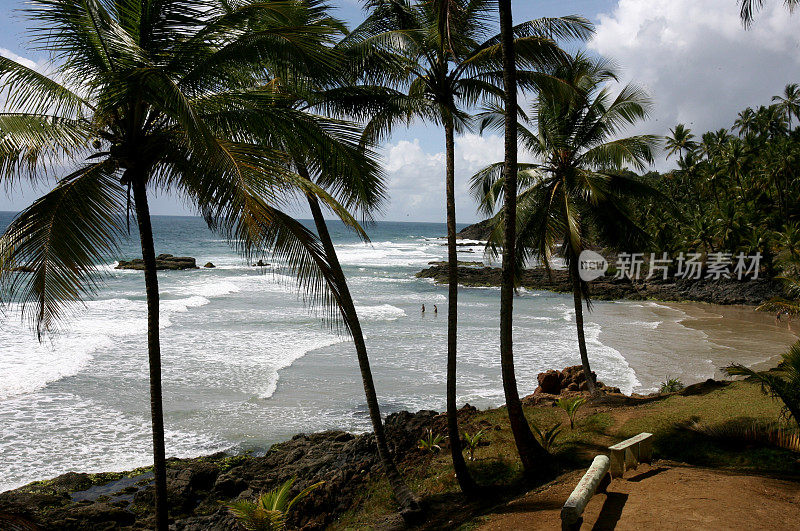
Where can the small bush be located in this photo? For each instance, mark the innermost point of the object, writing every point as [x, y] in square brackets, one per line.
[571, 406]
[269, 512]
[750, 431]
[430, 443]
[547, 438]
[472, 443]
[671, 385]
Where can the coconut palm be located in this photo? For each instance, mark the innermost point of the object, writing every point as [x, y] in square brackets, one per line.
[789, 102]
[148, 96]
[680, 142]
[783, 384]
[452, 61]
[576, 193]
[748, 9]
[531, 452]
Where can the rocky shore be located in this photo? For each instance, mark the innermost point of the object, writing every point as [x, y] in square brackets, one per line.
[200, 488]
[722, 291]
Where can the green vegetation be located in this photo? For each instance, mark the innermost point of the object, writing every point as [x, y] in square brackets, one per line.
[473, 441]
[578, 194]
[670, 385]
[269, 512]
[782, 383]
[571, 406]
[548, 436]
[431, 442]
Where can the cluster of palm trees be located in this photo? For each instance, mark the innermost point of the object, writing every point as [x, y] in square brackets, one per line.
[242, 106]
[734, 190]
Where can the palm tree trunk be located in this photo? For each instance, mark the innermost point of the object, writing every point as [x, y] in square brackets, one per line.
[401, 491]
[465, 480]
[577, 298]
[153, 349]
[530, 451]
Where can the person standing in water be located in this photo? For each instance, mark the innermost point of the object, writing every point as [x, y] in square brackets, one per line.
[435, 309]
[423, 308]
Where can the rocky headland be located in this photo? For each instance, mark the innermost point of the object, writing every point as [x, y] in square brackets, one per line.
[722, 291]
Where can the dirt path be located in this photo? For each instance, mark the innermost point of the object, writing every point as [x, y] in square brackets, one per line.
[664, 496]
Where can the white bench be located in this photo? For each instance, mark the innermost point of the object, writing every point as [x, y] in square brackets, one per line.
[595, 479]
[629, 453]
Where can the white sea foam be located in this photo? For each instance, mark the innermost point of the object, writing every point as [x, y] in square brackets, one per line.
[380, 312]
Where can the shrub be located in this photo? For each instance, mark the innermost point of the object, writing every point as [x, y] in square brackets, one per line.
[783, 384]
[268, 512]
[548, 437]
[430, 443]
[472, 443]
[571, 406]
[671, 385]
[750, 430]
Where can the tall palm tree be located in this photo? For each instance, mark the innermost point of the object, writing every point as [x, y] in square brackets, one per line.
[531, 453]
[680, 142]
[157, 96]
[452, 61]
[748, 9]
[789, 102]
[577, 190]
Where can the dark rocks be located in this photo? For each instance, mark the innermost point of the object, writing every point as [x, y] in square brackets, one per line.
[163, 261]
[570, 380]
[722, 291]
[478, 231]
[200, 489]
[261, 263]
[209, 265]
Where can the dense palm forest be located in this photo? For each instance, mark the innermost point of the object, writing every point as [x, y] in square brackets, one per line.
[734, 190]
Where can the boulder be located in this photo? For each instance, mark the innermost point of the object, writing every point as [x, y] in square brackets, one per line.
[163, 261]
[209, 265]
[569, 380]
[549, 382]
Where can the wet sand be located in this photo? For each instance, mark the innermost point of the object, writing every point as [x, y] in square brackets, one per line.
[693, 341]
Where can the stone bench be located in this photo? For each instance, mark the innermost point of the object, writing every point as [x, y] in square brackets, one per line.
[629, 453]
[595, 479]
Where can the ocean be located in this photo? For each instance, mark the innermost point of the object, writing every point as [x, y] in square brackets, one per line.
[246, 363]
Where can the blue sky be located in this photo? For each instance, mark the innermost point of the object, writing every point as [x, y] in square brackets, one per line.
[693, 56]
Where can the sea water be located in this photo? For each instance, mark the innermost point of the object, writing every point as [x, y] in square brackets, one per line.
[247, 362]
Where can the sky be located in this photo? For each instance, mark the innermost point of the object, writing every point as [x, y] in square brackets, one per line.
[698, 63]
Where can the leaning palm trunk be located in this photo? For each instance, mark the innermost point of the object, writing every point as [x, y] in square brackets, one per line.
[578, 300]
[401, 491]
[153, 349]
[530, 451]
[465, 481]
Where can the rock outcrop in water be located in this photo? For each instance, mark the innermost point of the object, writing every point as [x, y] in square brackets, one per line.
[163, 261]
[200, 488]
[722, 291]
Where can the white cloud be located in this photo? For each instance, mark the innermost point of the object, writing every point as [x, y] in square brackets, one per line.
[416, 177]
[699, 64]
[24, 61]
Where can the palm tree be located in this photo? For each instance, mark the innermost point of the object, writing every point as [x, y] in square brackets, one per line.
[748, 9]
[783, 384]
[452, 61]
[789, 103]
[680, 142]
[577, 189]
[159, 97]
[530, 451]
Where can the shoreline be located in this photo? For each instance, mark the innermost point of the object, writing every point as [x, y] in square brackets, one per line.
[721, 292]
